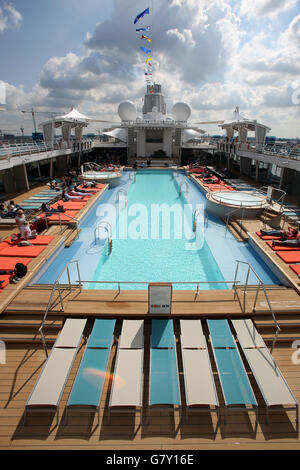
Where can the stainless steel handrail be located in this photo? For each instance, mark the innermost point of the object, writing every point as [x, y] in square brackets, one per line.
[196, 213]
[260, 285]
[103, 223]
[186, 185]
[122, 190]
[241, 219]
[57, 285]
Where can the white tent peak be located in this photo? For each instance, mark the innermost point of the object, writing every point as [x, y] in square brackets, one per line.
[74, 115]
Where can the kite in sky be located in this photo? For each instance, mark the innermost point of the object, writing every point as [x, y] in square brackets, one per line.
[146, 50]
[140, 15]
[145, 37]
[143, 29]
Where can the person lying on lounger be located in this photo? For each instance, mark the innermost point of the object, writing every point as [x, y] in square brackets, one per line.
[66, 197]
[292, 243]
[77, 190]
[47, 209]
[288, 234]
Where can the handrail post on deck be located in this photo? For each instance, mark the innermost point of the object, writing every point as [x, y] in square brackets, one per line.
[235, 279]
[256, 297]
[245, 287]
[78, 272]
[197, 292]
[68, 273]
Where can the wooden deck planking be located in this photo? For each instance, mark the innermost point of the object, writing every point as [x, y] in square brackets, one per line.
[100, 302]
[123, 433]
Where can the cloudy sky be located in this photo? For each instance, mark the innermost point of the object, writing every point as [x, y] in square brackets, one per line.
[212, 54]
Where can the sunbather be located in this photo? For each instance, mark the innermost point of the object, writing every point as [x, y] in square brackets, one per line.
[288, 234]
[292, 243]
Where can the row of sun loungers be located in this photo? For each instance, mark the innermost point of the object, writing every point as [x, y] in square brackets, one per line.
[288, 254]
[164, 389]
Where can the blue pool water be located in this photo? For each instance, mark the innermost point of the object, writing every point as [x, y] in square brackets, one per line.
[155, 248]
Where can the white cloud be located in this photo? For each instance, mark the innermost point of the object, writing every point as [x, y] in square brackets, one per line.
[203, 53]
[10, 18]
[266, 7]
[185, 36]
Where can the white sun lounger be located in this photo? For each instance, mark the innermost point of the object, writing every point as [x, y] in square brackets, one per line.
[269, 378]
[127, 385]
[49, 387]
[200, 389]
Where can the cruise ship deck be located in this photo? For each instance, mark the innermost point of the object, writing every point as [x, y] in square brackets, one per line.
[23, 309]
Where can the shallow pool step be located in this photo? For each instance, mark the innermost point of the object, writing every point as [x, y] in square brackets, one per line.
[237, 231]
[72, 237]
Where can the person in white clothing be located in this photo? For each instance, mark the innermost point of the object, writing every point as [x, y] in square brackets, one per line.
[26, 234]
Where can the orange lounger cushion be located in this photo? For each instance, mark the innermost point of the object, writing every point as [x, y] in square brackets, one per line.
[267, 237]
[281, 247]
[38, 240]
[290, 256]
[22, 251]
[6, 278]
[63, 216]
[76, 205]
[295, 268]
[7, 262]
[2, 246]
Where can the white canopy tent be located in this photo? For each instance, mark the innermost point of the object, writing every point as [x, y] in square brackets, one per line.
[72, 120]
[117, 133]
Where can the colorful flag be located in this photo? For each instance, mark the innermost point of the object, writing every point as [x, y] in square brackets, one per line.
[143, 29]
[146, 50]
[140, 15]
[145, 37]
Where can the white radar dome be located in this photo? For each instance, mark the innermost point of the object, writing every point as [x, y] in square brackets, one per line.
[127, 111]
[181, 112]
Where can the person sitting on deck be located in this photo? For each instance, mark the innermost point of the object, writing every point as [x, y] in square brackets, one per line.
[292, 243]
[288, 234]
[20, 218]
[26, 234]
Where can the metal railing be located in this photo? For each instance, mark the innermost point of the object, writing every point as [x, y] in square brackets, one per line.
[186, 186]
[66, 215]
[103, 224]
[122, 190]
[196, 213]
[264, 191]
[259, 287]
[241, 219]
[56, 285]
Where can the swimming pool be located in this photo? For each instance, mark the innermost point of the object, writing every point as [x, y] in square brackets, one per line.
[153, 239]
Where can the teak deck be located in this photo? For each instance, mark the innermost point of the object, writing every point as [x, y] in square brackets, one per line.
[24, 363]
[19, 375]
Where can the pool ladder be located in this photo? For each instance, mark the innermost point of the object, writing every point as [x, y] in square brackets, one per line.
[118, 196]
[106, 226]
[186, 185]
